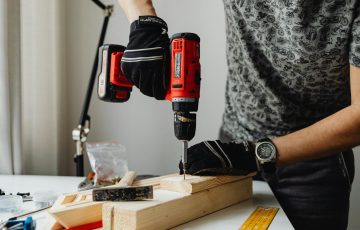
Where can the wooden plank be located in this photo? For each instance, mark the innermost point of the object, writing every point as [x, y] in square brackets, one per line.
[169, 209]
[194, 184]
[155, 181]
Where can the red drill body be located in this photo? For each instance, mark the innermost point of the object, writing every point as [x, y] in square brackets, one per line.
[185, 69]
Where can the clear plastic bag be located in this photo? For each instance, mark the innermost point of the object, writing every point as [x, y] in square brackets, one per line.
[107, 159]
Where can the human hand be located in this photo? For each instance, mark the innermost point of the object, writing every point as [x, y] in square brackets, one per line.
[217, 158]
[135, 8]
[146, 61]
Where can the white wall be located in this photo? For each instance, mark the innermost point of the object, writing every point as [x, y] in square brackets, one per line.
[42, 85]
[144, 125]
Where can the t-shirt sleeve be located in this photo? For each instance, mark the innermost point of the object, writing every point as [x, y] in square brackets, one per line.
[355, 42]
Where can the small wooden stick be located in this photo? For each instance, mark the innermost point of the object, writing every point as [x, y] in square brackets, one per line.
[127, 180]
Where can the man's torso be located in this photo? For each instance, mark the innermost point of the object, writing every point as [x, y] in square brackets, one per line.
[288, 64]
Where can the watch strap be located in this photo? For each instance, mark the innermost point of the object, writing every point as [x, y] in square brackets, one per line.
[268, 167]
[264, 139]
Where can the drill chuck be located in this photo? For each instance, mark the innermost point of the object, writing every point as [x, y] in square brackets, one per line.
[185, 104]
[184, 125]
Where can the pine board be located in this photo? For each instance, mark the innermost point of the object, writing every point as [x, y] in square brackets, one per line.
[170, 209]
[194, 184]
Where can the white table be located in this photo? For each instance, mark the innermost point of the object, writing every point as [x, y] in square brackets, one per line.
[229, 218]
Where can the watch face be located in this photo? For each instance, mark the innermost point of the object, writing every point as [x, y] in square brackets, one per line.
[266, 151]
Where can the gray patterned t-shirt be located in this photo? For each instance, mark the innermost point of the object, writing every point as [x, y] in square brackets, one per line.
[288, 63]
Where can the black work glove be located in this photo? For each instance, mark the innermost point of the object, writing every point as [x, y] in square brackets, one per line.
[217, 158]
[146, 61]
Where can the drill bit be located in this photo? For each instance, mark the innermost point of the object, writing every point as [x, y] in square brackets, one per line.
[184, 157]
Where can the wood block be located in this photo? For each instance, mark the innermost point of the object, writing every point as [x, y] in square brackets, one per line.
[78, 214]
[169, 209]
[77, 209]
[194, 184]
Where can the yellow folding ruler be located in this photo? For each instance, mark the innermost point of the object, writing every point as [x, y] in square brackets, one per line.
[260, 219]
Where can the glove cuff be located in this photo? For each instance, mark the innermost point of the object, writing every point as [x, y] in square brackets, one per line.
[149, 21]
[250, 150]
[243, 155]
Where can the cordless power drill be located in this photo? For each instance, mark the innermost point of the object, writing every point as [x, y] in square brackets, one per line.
[183, 90]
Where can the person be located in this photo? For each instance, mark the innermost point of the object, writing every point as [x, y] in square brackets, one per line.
[292, 98]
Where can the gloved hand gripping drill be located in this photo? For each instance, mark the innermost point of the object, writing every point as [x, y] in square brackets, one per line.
[218, 158]
[146, 61]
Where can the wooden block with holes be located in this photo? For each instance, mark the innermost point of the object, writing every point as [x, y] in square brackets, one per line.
[78, 209]
[177, 202]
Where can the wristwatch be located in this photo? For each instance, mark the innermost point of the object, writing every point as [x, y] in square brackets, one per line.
[266, 153]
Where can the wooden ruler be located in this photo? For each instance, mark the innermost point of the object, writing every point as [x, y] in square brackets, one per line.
[260, 219]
